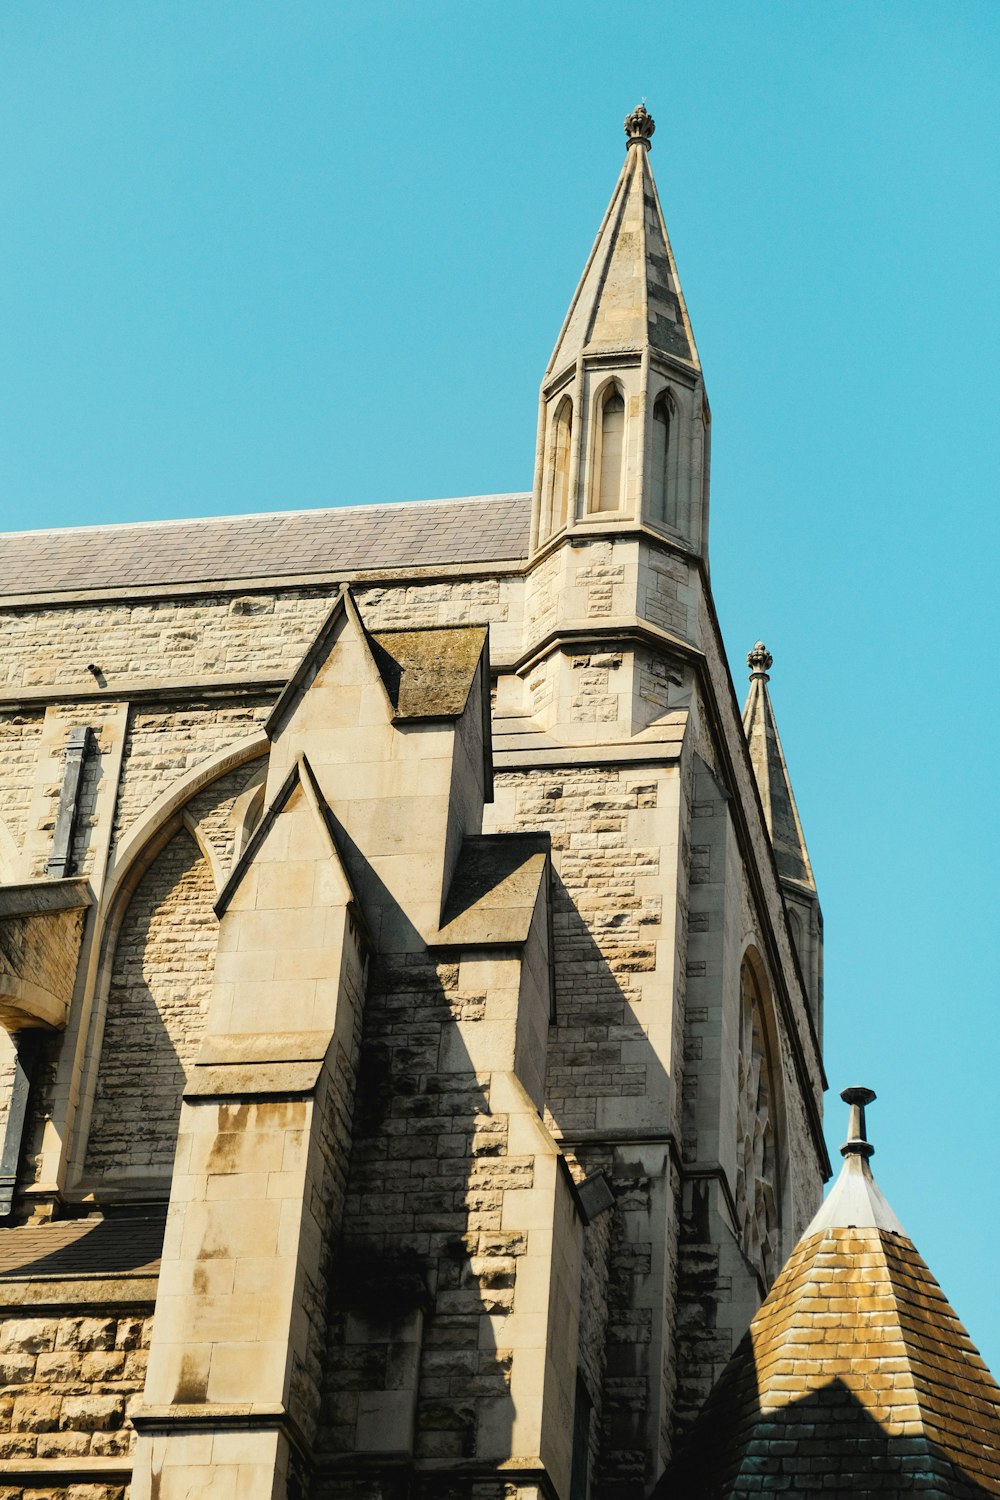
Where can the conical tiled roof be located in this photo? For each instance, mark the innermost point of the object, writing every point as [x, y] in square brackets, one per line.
[629, 297]
[855, 1378]
[771, 772]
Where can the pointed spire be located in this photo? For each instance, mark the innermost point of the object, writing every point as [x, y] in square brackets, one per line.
[855, 1366]
[630, 295]
[771, 772]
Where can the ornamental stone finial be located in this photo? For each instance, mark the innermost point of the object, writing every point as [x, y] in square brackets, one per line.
[857, 1143]
[760, 661]
[639, 126]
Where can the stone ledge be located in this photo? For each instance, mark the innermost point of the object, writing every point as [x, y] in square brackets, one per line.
[665, 752]
[58, 1470]
[63, 1295]
[132, 690]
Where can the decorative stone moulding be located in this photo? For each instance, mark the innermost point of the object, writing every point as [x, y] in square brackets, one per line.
[41, 924]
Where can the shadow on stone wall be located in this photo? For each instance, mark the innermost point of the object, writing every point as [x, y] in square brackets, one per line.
[413, 1377]
[423, 1254]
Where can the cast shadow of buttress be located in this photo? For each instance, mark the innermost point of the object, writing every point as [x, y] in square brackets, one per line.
[421, 1241]
[420, 1254]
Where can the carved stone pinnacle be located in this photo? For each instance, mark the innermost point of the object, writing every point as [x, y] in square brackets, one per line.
[760, 661]
[639, 126]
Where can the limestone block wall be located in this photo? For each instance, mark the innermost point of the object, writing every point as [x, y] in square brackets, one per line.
[20, 732]
[160, 640]
[67, 1383]
[164, 743]
[614, 851]
[161, 977]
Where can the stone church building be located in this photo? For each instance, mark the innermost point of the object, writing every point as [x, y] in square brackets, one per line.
[410, 971]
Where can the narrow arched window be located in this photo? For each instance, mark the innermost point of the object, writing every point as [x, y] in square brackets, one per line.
[661, 507]
[612, 442]
[559, 457]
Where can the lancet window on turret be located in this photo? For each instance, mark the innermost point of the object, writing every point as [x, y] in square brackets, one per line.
[610, 448]
[560, 445]
[663, 490]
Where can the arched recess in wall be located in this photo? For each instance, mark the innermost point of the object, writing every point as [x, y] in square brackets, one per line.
[760, 1167]
[609, 449]
[157, 959]
[662, 461]
[559, 458]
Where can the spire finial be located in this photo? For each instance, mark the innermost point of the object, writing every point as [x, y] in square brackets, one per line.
[760, 661]
[857, 1143]
[639, 126]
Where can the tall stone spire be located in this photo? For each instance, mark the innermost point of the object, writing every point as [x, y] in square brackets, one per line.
[771, 771]
[623, 428]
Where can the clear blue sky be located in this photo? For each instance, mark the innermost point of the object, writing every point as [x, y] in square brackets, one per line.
[258, 256]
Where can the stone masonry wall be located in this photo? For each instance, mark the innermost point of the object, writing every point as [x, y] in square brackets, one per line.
[20, 733]
[165, 743]
[160, 982]
[66, 1385]
[607, 913]
[167, 639]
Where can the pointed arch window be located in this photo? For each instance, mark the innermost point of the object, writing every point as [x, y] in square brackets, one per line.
[610, 450]
[559, 461]
[663, 500]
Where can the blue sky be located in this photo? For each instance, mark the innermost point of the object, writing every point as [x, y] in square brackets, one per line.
[258, 256]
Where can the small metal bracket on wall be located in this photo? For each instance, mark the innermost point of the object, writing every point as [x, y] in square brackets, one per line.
[78, 747]
[17, 1108]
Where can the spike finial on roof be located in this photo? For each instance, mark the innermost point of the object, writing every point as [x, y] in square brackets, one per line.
[760, 661]
[857, 1143]
[639, 126]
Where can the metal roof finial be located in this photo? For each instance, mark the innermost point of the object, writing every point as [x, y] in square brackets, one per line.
[857, 1143]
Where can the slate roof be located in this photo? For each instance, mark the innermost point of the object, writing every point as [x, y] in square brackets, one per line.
[480, 529]
[855, 1378]
[72, 1248]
